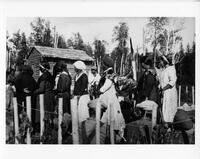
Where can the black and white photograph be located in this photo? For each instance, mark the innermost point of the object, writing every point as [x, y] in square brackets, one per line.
[90, 79]
[100, 80]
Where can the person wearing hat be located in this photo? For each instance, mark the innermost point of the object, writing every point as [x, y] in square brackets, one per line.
[63, 85]
[108, 95]
[147, 85]
[93, 79]
[81, 90]
[45, 85]
[168, 84]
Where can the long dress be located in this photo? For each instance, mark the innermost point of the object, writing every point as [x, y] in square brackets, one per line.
[169, 107]
[110, 99]
[81, 90]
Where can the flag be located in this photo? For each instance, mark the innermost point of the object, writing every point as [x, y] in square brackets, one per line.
[133, 62]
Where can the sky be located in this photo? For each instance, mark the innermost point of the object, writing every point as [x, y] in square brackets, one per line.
[98, 27]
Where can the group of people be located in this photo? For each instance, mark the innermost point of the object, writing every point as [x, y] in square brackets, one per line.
[156, 84]
[58, 84]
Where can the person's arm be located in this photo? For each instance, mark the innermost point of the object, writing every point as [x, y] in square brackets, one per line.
[41, 88]
[61, 84]
[168, 86]
[33, 85]
[84, 84]
[106, 86]
[172, 79]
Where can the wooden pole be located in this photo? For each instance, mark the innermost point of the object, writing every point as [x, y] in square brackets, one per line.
[23, 108]
[98, 112]
[16, 119]
[112, 124]
[28, 111]
[74, 114]
[154, 115]
[60, 113]
[41, 115]
[179, 95]
[193, 96]
[134, 70]
[186, 90]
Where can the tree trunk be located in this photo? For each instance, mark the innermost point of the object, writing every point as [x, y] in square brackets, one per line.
[121, 67]
[167, 44]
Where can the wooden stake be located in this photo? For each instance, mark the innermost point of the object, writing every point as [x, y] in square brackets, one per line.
[28, 111]
[186, 90]
[112, 124]
[23, 108]
[179, 95]
[98, 112]
[74, 114]
[16, 119]
[60, 114]
[134, 70]
[41, 115]
[193, 95]
[154, 115]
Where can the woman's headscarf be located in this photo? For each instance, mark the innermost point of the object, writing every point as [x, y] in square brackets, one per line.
[80, 65]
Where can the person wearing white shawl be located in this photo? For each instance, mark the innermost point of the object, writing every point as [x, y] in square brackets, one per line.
[108, 95]
[81, 90]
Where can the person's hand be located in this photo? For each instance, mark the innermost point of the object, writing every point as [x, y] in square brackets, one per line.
[26, 90]
[14, 89]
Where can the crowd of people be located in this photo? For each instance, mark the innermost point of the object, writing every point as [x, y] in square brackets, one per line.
[157, 83]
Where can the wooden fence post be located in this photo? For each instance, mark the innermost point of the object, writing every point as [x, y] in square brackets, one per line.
[154, 114]
[74, 114]
[41, 115]
[98, 114]
[186, 90]
[28, 111]
[16, 119]
[112, 140]
[179, 95]
[60, 114]
[193, 96]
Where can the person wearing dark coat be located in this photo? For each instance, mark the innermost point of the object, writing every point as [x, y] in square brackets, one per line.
[81, 85]
[63, 85]
[81, 90]
[25, 84]
[148, 85]
[45, 85]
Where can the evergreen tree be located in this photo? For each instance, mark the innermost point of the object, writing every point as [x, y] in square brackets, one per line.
[47, 37]
[188, 49]
[41, 32]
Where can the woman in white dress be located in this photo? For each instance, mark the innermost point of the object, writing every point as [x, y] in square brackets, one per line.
[168, 84]
[108, 96]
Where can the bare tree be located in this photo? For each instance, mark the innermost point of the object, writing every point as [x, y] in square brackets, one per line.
[120, 35]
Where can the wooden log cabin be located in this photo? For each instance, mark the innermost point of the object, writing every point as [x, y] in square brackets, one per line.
[52, 55]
